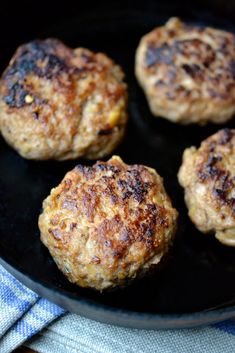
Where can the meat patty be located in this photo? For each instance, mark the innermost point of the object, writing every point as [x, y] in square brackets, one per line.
[106, 224]
[188, 72]
[60, 103]
[208, 177]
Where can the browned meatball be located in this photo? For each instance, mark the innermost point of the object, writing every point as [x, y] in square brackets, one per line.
[208, 177]
[60, 103]
[188, 72]
[106, 224]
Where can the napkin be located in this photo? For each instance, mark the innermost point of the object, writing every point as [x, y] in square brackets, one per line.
[22, 312]
[27, 318]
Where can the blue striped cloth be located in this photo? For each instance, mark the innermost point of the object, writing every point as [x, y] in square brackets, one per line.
[22, 312]
[23, 316]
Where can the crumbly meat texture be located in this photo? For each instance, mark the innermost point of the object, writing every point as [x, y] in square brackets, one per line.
[188, 72]
[60, 103]
[106, 224]
[208, 177]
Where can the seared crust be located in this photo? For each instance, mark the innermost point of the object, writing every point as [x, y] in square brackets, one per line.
[106, 224]
[208, 176]
[188, 72]
[60, 103]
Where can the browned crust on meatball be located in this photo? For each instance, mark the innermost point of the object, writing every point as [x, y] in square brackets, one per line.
[212, 168]
[208, 176]
[106, 223]
[188, 72]
[60, 103]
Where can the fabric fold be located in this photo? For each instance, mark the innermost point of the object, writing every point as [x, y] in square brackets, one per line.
[23, 312]
[76, 334]
[15, 300]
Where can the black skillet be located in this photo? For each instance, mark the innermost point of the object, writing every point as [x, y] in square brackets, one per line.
[197, 285]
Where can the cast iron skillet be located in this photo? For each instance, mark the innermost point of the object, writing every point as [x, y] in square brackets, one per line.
[197, 285]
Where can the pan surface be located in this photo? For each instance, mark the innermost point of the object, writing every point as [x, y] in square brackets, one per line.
[197, 285]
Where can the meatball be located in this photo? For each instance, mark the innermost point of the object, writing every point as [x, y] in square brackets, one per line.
[208, 177]
[107, 224]
[62, 103]
[188, 72]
